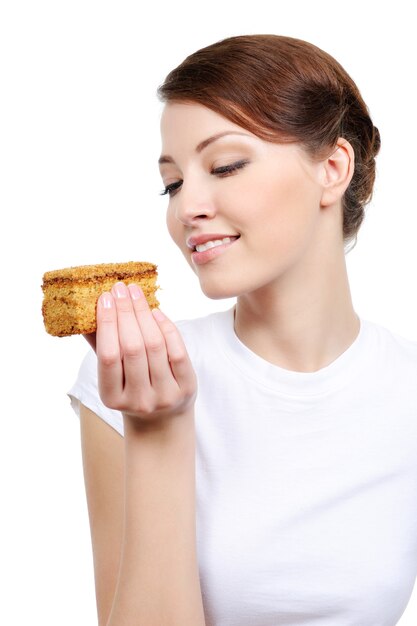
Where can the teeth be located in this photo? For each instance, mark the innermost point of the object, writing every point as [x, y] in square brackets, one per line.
[212, 244]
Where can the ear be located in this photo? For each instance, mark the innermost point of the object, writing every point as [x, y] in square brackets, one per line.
[336, 173]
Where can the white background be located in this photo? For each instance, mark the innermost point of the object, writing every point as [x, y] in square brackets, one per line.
[79, 183]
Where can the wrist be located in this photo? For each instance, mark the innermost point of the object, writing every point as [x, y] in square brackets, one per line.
[134, 427]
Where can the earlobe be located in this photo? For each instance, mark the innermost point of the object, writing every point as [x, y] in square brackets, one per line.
[337, 172]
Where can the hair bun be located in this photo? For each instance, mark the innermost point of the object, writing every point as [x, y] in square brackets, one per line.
[376, 141]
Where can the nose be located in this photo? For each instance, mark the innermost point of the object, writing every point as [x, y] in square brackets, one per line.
[193, 204]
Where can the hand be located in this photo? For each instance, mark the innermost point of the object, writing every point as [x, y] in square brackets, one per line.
[144, 369]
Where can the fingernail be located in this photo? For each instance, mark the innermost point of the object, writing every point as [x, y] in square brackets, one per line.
[106, 300]
[135, 291]
[120, 290]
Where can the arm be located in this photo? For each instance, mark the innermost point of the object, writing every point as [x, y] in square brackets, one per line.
[144, 371]
[158, 580]
[103, 465]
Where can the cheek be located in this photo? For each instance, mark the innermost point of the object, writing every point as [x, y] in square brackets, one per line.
[296, 199]
[173, 227]
[285, 213]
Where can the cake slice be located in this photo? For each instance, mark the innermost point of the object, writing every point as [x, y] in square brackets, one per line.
[71, 294]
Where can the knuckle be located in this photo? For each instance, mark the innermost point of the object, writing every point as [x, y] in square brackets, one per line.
[145, 408]
[110, 401]
[178, 357]
[132, 350]
[142, 405]
[109, 359]
[189, 392]
[167, 403]
[155, 345]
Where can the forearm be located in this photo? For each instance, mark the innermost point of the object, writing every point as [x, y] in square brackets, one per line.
[158, 583]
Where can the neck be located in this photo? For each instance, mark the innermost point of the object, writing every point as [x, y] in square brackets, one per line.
[302, 322]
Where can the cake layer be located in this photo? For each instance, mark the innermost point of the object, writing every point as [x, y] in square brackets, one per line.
[71, 294]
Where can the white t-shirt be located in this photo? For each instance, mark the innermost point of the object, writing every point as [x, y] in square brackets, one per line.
[306, 482]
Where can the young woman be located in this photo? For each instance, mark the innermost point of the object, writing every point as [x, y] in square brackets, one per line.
[267, 468]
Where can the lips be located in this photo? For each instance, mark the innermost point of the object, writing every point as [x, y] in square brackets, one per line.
[213, 252]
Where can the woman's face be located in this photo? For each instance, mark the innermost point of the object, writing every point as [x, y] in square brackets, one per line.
[268, 203]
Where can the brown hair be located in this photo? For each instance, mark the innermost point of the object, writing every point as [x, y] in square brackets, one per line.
[284, 90]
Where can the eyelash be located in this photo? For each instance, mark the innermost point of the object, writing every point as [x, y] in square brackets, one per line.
[223, 171]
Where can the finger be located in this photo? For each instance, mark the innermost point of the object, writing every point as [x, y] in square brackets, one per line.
[132, 346]
[110, 370]
[179, 359]
[159, 370]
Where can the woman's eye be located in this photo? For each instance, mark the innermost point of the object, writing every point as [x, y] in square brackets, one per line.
[170, 188]
[222, 171]
[227, 169]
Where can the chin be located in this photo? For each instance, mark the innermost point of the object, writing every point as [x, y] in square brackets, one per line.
[218, 292]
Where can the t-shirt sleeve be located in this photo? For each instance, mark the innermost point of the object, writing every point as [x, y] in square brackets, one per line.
[85, 391]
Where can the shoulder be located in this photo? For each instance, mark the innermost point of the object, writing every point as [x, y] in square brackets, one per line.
[396, 340]
[85, 391]
[395, 348]
[200, 331]
[205, 322]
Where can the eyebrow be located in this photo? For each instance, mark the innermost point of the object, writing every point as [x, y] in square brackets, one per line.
[165, 158]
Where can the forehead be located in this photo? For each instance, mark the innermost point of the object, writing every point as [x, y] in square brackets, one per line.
[187, 127]
[192, 121]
